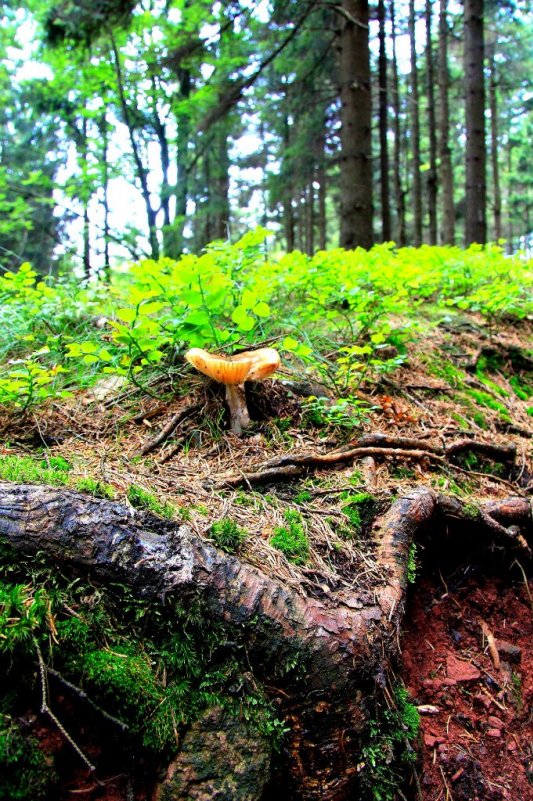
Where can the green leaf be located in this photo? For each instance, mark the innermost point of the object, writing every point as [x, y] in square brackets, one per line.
[126, 315]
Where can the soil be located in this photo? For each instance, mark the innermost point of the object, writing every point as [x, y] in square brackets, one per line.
[476, 739]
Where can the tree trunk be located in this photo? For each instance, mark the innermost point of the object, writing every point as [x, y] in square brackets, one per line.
[341, 644]
[104, 132]
[218, 188]
[446, 173]
[415, 132]
[494, 145]
[383, 106]
[431, 175]
[310, 218]
[474, 56]
[399, 192]
[356, 121]
[142, 171]
[182, 171]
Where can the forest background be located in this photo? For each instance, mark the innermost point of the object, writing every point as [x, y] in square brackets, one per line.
[134, 129]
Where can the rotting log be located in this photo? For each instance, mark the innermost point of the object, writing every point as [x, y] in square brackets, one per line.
[341, 645]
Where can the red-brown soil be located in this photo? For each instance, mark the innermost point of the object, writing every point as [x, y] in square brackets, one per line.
[476, 740]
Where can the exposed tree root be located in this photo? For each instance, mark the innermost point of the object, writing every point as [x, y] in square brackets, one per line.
[368, 445]
[341, 645]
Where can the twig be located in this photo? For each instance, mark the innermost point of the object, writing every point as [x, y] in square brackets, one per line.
[167, 430]
[45, 709]
[526, 584]
[84, 697]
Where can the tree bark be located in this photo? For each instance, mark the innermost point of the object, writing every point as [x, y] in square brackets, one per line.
[415, 132]
[356, 120]
[383, 106]
[446, 173]
[494, 145]
[431, 176]
[341, 644]
[399, 192]
[474, 57]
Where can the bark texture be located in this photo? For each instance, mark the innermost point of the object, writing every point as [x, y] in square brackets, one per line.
[356, 121]
[476, 189]
[341, 645]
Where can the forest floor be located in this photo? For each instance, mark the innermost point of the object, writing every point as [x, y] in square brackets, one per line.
[466, 644]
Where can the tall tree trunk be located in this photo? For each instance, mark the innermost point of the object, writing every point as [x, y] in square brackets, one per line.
[142, 171]
[474, 56]
[322, 188]
[494, 144]
[218, 188]
[310, 217]
[399, 192]
[510, 228]
[431, 175]
[86, 197]
[415, 132]
[446, 173]
[356, 119]
[383, 127]
[164, 155]
[104, 131]
[288, 212]
[182, 173]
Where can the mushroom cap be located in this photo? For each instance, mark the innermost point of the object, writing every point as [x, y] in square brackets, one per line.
[252, 365]
[265, 361]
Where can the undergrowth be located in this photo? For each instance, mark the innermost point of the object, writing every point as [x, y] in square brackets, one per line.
[152, 667]
[347, 315]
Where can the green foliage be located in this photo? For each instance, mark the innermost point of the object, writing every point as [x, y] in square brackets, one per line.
[24, 612]
[292, 539]
[227, 535]
[389, 750]
[95, 487]
[25, 773]
[25, 470]
[143, 499]
[344, 315]
[359, 508]
[153, 666]
[412, 564]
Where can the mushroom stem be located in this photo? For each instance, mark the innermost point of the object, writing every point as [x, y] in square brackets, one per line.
[238, 411]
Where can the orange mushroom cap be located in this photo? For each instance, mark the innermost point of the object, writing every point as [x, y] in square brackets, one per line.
[251, 365]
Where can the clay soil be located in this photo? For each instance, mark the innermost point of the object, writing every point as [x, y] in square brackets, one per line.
[476, 739]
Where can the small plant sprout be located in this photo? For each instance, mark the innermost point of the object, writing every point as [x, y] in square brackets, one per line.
[233, 371]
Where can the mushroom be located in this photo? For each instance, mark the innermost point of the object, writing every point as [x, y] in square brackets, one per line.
[233, 371]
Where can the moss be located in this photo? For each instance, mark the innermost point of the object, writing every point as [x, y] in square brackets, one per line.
[359, 509]
[292, 539]
[447, 371]
[227, 535]
[388, 754]
[94, 487]
[25, 772]
[25, 470]
[156, 667]
[522, 388]
[487, 401]
[142, 499]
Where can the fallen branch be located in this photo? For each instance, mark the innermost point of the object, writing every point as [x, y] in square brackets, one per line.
[167, 430]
